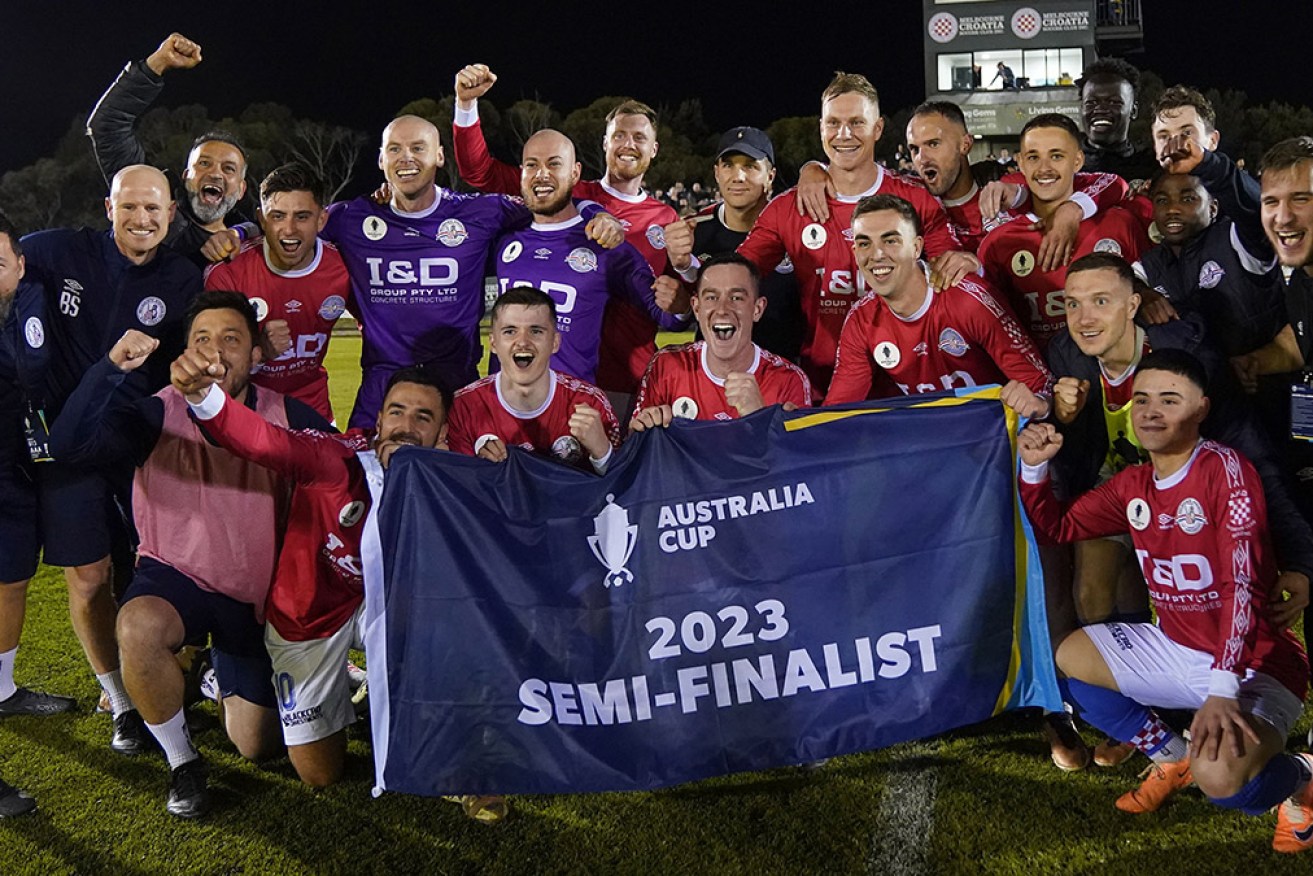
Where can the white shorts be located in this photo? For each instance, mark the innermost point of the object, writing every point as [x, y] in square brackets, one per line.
[1153, 670]
[314, 697]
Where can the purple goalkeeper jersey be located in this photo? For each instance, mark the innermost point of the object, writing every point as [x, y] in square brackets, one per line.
[417, 284]
[580, 277]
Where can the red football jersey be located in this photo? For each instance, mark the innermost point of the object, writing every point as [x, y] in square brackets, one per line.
[1095, 192]
[1008, 255]
[679, 377]
[310, 300]
[628, 334]
[1202, 542]
[959, 337]
[479, 411]
[828, 280]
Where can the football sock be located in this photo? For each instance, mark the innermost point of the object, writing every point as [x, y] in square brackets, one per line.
[174, 737]
[1281, 777]
[7, 686]
[1124, 719]
[112, 683]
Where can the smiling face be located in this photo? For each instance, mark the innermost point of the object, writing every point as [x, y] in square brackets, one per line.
[850, 128]
[140, 209]
[225, 331]
[631, 144]
[1182, 207]
[1107, 108]
[524, 337]
[726, 306]
[215, 179]
[548, 174]
[1101, 309]
[939, 148]
[412, 413]
[410, 155]
[1049, 159]
[744, 181]
[1166, 411]
[1182, 120]
[1287, 208]
[291, 221]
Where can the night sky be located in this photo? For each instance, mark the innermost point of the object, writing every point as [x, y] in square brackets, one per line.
[749, 65]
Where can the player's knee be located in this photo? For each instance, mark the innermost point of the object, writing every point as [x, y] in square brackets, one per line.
[87, 582]
[140, 628]
[320, 775]
[1069, 654]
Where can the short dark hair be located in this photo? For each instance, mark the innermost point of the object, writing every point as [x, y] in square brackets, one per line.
[1052, 120]
[8, 229]
[1104, 261]
[731, 258]
[945, 108]
[292, 177]
[1287, 154]
[876, 203]
[1176, 361]
[420, 375]
[224, 299]
[1111, 68]
[1179, 96]
[849, 83]
[633, 108]
[527, 296]
[221, 136]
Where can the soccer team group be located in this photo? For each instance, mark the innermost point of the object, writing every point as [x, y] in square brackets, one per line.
[1143, 305]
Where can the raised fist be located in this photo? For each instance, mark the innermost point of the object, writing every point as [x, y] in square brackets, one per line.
[175, 53]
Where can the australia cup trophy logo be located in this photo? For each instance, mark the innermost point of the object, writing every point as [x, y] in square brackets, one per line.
[613, 542]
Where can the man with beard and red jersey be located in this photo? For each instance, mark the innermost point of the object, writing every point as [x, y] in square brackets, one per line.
[215, 178]
[939, 143]
[1050, 157]
[417, 264]
[725, 375]
[555, 255]
[745, 173]
[528, 404]
[1197, 520]
[297, 283]
[630, 144]
[927, 341]
[829, 284]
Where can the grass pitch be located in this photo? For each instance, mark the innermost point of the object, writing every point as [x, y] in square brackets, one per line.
[981, 800]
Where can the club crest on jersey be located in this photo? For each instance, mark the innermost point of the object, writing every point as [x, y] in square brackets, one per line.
[261, 308]
[952, 342]
[452, 232]
[567, 448]
[1107, 244]
[542, 252]
[292, 306]
[685, 407]
[887, 355]
[656, 235]
[34, 332]
[785, 267]
[512, 252]
[583, 259]
[150, 311]
[1137, 514]
[922, 349]
[332, 307]
[1210, 275]
[374, 228]
[1189, 516]
[612, 542]
[814, 236]
[351, 513]
[1023, 263]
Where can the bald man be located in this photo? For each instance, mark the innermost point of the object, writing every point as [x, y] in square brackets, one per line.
[555, 255]
[97, 285]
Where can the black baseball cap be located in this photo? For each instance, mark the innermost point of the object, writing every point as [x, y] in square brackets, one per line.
[751, 142]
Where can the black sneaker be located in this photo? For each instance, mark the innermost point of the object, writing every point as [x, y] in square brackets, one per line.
[130, 734]
[188, 795]
[14, 801]
[33, 702]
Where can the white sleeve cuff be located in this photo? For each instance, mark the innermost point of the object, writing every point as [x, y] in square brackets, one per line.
[690, 274]
[600, 465]
[1034, 474]
[209, 407]
[1020, 197]
[1086, 204]
[466, 118]
[483, 439]
[1222, 683]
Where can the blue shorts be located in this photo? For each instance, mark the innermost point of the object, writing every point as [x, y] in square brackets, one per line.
[20, 531]
[241, 662]
[76, 513]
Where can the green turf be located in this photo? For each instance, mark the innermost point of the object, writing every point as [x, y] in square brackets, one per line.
[1000, 806]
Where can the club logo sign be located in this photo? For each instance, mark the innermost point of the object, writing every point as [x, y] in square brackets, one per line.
[1137, 514]
[452, 232]
[612, 542]
[374, 228]
[1026, 23]
[34, 332]
[582, 259]
[1210, 275]
[261, 308]
[814, 236]
[952, 342]
[887, 355]
[151, 310]
[943, 27]
[685, 407]
[512, 251]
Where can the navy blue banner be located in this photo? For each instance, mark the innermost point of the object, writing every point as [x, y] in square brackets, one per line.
[730, 596]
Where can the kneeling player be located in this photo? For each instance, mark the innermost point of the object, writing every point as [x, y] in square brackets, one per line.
[1198, 522]
[725, 375]
[527, 403]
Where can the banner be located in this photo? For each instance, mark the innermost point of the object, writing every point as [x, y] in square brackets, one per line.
[729, 596]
